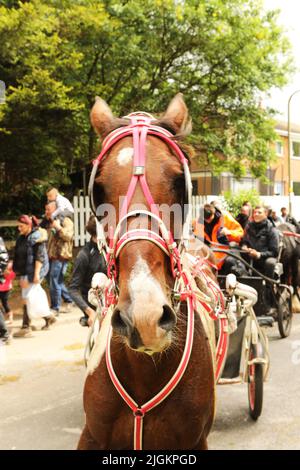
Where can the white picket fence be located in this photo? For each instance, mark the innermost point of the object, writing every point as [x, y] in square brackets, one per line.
[82, 211]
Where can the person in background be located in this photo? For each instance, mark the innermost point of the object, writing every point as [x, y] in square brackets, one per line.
[64, 207]
[244, 215]
[261, 244]
[31, 263]
[269, 211]
[276, 219]
[4, 333]
[60, 251]
[289, 219]
[218, 229]
[5, 288]
[88, 262]
[4, 258]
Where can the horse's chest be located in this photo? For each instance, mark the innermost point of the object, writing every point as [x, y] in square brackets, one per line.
[161, 430]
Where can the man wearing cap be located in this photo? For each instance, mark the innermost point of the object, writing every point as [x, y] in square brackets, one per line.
[60, 252]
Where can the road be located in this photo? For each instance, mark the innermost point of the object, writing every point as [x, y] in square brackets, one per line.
[279, 425]
[41, 380]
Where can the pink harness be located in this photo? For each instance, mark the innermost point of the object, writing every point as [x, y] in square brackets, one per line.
[139, 128]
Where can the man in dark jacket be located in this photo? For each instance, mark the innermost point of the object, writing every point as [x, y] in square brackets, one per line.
[88, 262]
[261, 244]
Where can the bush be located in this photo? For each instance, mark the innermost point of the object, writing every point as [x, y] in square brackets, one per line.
[235, 201]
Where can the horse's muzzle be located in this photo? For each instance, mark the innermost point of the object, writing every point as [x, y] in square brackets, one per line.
[122, 324]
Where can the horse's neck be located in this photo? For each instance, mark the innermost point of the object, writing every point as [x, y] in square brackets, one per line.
[141, 375]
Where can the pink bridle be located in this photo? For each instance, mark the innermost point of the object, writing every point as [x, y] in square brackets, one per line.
[140, 127]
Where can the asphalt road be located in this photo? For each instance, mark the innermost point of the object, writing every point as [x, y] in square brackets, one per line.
[278, 427]
[41, 380]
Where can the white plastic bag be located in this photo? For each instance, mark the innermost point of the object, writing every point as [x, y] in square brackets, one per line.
[37, 302]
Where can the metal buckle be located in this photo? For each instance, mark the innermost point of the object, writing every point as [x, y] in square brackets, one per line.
[139, 170]
[139, 413]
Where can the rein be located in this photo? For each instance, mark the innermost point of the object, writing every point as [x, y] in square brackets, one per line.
[140, 127]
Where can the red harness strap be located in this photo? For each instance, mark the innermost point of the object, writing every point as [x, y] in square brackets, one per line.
[223, 339]
[140, 411]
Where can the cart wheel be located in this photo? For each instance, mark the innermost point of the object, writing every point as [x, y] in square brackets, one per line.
[285, 314]
[255, 385]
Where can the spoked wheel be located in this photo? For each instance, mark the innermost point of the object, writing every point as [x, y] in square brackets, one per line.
[285, 314]
[255, 385]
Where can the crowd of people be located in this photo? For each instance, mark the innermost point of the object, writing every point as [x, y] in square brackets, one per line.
[42, 252]
[44, 248]
[253, 235]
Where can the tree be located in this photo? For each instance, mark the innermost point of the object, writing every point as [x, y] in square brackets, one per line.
[234, 201]
[56, 55]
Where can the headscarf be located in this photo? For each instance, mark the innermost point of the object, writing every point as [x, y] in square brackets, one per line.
[25, 219]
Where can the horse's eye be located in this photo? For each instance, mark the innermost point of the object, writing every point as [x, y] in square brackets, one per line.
[179, 187]
[98, 193]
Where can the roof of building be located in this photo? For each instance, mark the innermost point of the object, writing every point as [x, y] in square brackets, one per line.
[283, 126]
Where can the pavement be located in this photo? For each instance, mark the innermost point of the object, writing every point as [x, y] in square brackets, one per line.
[41, 382]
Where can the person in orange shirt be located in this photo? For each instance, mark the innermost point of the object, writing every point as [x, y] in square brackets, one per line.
[220, 228]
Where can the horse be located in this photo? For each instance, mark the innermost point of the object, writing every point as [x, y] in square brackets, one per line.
[151, 377]
[289, 258]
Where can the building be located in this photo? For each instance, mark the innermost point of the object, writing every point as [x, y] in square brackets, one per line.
[204, 182]
[281, 166]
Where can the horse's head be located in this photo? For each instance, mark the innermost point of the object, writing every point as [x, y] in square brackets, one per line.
[148, 170]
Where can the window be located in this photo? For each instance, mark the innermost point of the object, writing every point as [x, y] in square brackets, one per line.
[279, 148]
[279, 188]
[296, 149]
[243, 184]
[296, 188]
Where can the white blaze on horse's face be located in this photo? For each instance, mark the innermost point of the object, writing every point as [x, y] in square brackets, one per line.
[125, 156]
[147, 305]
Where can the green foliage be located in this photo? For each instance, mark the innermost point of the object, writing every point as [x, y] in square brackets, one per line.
[9, 233]
[32, 202]
[56, 55]
[234, 201]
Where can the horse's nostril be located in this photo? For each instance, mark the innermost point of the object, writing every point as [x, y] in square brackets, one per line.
[120, 322]
[168, 319]
[135, 340]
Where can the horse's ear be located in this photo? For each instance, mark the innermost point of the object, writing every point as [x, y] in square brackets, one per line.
[101, 117]
[178, 116]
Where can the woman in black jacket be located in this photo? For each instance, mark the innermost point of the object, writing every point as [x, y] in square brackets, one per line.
[88, 262]
[31, 264]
